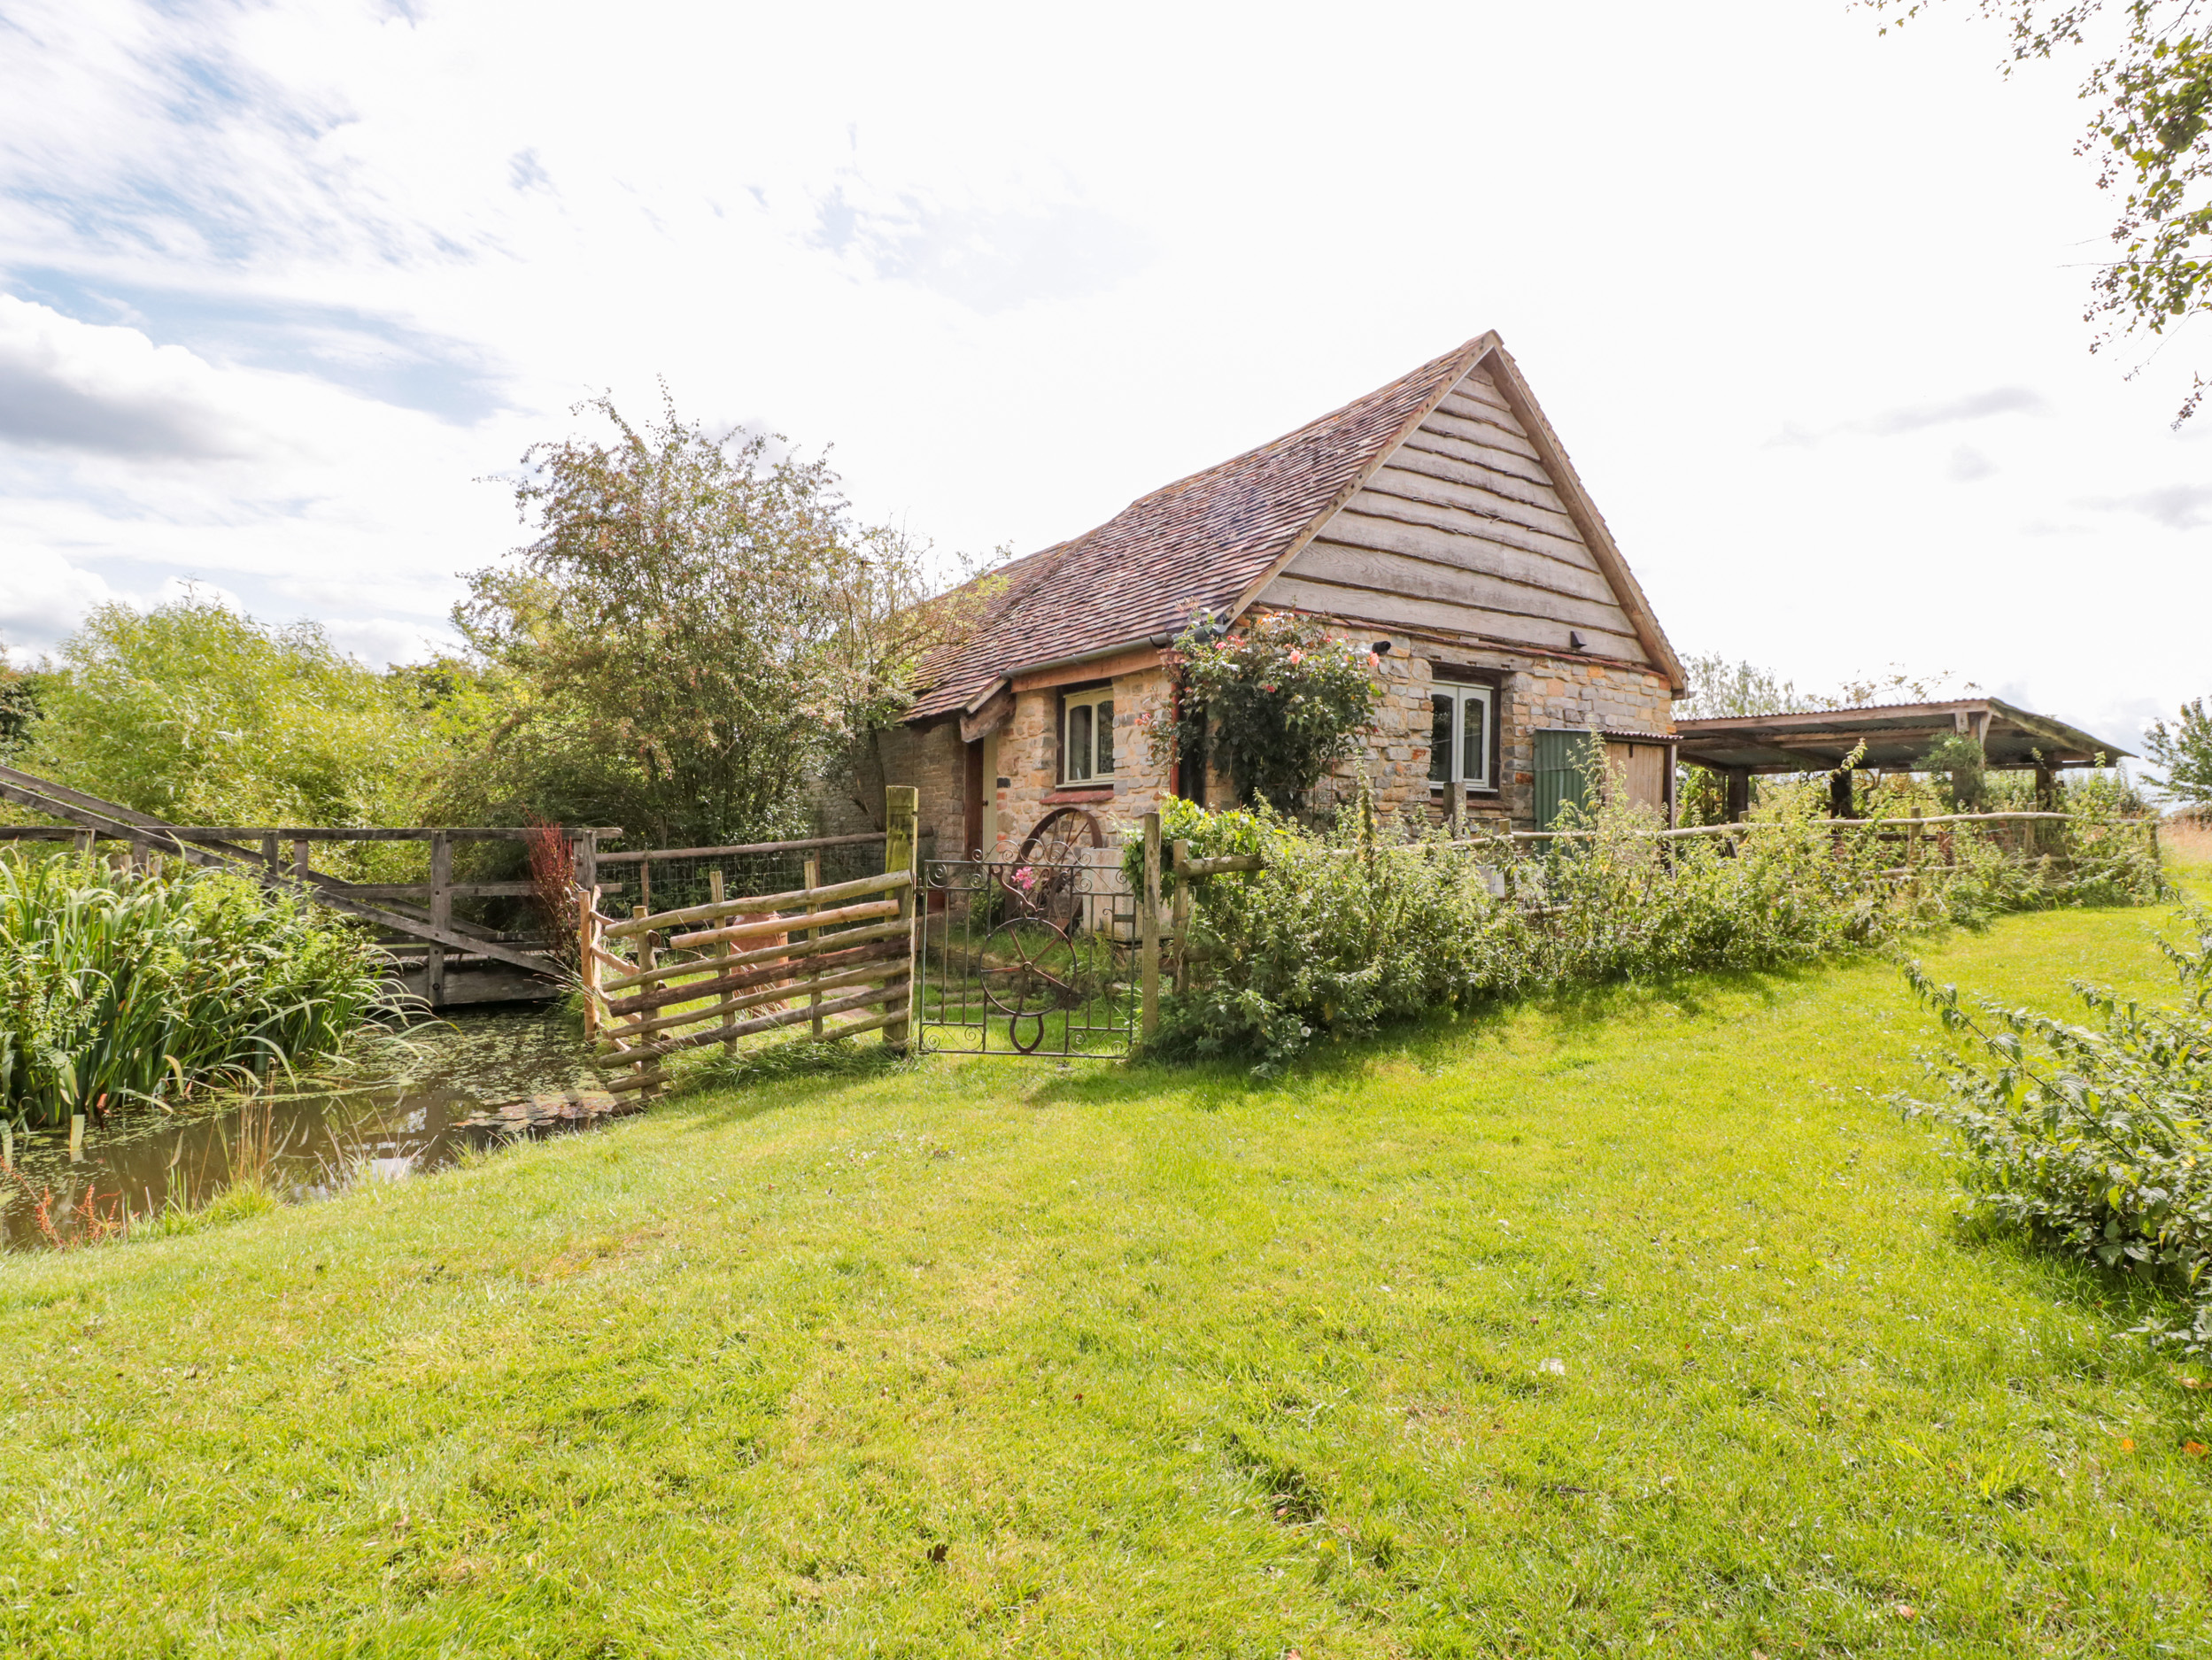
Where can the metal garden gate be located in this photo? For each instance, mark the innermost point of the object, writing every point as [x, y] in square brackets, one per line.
[1039, 955]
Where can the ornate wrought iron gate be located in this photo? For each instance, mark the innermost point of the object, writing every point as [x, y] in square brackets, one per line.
[1033, 955]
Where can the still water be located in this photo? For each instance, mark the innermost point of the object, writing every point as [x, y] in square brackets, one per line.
[401, 1113]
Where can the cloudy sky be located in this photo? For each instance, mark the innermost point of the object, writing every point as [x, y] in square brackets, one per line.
[281, 284]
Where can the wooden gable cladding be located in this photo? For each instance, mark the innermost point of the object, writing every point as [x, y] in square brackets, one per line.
[1463, 529]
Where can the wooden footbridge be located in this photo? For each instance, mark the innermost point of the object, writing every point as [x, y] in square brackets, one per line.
[440, 957]
[443, 959]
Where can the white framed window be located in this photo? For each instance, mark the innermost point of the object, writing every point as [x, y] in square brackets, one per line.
[1086, 734]
[1460, 719]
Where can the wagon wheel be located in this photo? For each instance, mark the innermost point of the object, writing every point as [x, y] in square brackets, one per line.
[1047, 871]
[1030, 968]
[1060, 837]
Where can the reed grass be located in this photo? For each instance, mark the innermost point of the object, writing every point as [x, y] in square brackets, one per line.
[125, 986]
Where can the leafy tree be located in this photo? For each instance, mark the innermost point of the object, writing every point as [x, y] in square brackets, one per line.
[2151, 82]
[2184, 750]
[1276, 700]
[1720, 688]
[18, 707]
[196, 713]
[698, 623]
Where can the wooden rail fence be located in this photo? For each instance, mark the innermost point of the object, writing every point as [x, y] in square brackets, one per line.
[800, 958]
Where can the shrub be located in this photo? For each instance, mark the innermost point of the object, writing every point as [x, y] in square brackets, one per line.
[1339, 934]
[121, 987]
[2093, 1139]
[1276, 701]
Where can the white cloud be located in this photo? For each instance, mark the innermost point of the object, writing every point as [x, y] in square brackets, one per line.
[1024, 264]
[68, 386]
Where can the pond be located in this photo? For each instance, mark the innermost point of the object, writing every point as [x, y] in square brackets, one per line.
[411, 1107]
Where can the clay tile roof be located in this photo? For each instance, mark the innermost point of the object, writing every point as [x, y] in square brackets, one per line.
[1197, 544]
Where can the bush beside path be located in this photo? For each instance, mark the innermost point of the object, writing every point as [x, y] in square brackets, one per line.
[1624, 1319]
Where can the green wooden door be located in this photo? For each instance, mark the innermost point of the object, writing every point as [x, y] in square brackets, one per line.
[1562, 772]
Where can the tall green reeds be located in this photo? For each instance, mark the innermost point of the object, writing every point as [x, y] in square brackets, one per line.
[122, 987]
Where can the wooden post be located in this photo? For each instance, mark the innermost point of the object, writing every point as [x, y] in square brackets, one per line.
[902, 806]
[1179, 924]
[726, 1009]
[811, 879]
[588, 943]
[81, 841]
[1739, 801]
[441, 916]
[586, 852]
[647, 958]
[1148, 960]
[645, 887]
[302, 871]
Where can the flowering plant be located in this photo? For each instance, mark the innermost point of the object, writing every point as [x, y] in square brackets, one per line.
[1276, 701]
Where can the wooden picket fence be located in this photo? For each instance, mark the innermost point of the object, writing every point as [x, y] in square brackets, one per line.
[810, 957]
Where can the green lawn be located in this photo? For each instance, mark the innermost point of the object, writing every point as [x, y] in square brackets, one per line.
[994, 1356]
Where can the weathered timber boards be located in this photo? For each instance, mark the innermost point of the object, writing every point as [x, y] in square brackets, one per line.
[1447, 538]
[1420, 579]
[1414, 485]
[1331, 600]
[1477, 387]
[1471, 561]
[756, 904]
[872, 975]
[872, 996]
[1430, 441]
[1380, 521]
[1474, 428]
[782, 952]
[1433, 462]
[866, 910]
[778, 973]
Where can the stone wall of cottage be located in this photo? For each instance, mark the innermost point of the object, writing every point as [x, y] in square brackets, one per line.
[1028, 760]
[1534, 694]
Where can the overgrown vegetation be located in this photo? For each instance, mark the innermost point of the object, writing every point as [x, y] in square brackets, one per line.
[195, 713]
[121, 987]
[2093, 1139]
[1339, 935]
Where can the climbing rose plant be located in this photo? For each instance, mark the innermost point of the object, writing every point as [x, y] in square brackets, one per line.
[1275, 702]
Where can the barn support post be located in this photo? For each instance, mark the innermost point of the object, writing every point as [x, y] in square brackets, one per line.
[1840, 793]
[902, 807]
[1739, 795]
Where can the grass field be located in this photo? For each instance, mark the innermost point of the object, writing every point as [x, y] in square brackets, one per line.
[1630, 1322]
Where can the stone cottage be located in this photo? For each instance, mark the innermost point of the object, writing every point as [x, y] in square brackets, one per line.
[1436, 520]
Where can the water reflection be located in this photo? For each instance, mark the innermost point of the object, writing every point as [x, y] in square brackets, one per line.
[401, 1115]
